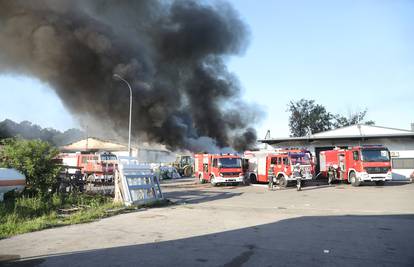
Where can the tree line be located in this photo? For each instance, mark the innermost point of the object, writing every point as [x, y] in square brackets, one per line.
[307, 117]
[28, 130]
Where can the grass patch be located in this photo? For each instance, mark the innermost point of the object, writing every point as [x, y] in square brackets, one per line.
[26, 214]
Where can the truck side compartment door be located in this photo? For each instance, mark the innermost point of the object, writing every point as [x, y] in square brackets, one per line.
[355, 157]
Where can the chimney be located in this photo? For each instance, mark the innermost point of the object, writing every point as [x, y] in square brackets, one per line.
[412, 126]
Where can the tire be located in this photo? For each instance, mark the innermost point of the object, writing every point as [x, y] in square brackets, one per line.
[253, 179]
[188, 171]
[282, 181]
[212, 181]
[354, 179]
[379, 183]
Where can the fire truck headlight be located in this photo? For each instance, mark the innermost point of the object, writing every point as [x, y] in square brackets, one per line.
[221, 174]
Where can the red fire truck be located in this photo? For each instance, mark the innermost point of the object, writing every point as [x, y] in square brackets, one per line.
[99, 167]
[279, 165]
[218, 169]
[357, 164]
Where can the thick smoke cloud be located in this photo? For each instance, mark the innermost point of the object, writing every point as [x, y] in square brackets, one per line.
[172, 52]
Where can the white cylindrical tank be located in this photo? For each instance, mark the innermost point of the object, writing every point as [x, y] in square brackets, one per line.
[11, 179]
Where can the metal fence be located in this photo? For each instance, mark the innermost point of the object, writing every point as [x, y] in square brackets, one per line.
[137, 183]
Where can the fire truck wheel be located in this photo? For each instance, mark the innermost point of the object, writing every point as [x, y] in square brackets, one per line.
[187, 172]
[354, 179]
[379, 183]
[213, 181]
[282, 181]
[252, 178]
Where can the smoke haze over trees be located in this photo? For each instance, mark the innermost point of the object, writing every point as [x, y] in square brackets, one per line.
[27, 130]
[172, 52]
[307, 117]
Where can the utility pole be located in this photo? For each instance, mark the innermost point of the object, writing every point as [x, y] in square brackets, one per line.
[118, 77]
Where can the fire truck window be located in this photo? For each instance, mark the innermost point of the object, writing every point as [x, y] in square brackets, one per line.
[185, 160]
[108, 157]
[279, 161]
[95, 158]
[285, 161]
[84, 159]
[273, 161]
[214, 162]
[356, 155]
[375, 155]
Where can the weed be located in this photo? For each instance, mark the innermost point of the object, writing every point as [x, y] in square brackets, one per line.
[26, 214]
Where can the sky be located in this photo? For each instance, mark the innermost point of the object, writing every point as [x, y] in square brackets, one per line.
[346, 55]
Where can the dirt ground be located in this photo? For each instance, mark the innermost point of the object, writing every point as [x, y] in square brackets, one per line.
[322, 225]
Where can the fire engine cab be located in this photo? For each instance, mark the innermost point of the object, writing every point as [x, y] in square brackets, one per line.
[218, 169]
[357, 164]
[278, 166]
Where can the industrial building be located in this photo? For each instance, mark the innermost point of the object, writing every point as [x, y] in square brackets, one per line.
[400, 143]
[145, 152]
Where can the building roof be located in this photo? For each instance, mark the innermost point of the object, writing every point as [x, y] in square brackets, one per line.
[362, 129]
[97, 144]
[92, 143]
[355, 132]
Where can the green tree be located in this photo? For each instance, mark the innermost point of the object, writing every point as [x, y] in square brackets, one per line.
[28, 130]
[307, 117]
[35, 159]
[352, 119]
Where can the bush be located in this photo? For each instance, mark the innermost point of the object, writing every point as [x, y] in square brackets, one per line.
[34, 158]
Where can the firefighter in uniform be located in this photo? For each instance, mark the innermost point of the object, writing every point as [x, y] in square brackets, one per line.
[297, 173]
[270, 176]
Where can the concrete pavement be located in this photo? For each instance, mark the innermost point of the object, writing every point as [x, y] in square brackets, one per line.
[238, 226]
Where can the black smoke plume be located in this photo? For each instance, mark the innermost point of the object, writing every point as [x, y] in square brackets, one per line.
[173, 54]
